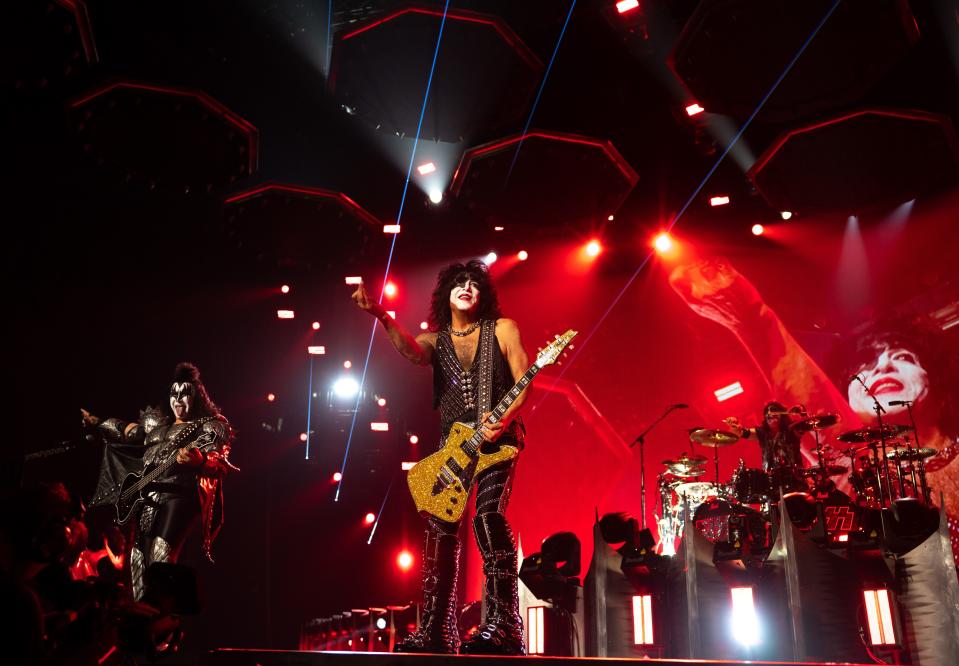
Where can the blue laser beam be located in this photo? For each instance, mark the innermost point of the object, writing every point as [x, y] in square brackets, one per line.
[389, 258]
[380, 512]
[309, 408]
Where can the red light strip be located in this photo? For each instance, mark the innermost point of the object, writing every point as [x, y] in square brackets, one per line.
[536, 634]
[879, 617]
[642, 620]
[80, 15]
[727, 392]
[346, 201]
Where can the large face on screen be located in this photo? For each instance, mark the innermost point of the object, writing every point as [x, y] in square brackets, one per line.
[465, 294]
[895, 374]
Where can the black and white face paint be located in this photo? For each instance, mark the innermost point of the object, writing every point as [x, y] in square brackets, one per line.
[465, 294]
[181, 399]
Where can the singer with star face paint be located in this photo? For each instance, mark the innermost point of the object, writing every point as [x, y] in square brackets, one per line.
[474, 352]
[190, 489]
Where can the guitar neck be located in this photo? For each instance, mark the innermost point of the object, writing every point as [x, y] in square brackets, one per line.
[513, 393]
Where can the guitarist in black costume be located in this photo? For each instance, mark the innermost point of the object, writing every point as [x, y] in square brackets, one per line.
[191, 488]
[476, 357]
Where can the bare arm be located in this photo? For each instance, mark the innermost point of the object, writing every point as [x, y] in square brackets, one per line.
[508, 333]
[418, 350]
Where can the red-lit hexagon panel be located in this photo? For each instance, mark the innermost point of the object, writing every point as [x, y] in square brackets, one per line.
[485, 75]
[731, 52]
[49, 42]
[165, 138]
[297, 228]
[857, 161]
[544, 177]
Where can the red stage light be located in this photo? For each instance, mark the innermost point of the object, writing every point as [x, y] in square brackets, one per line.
[663, 243]
[285, 289]
[302, 436]
[316, 326]
[424, 326]
[610, 218]
[391, 228]
[285, 314]
[354, 279]
[727, 392]
[535, 632]
[624, 6]
[407, 466]
[718, 201]
[381, 402]
[498, 228]
[379, 426]
[414, 439]
[390, 289]
[642, 619]
[369, 518]
[316, 350]
[879, 615]
[593, 248]
[404, 560]
[347, 364]
[270, 397]
[694, 109]
[758, 229]
[522, 255]
[337, 477]
[427, 168]
[785, 214]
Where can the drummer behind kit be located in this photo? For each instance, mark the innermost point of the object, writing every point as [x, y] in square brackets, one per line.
[884, 469]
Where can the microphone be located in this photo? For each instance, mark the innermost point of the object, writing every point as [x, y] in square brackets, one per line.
[896, 403]
[679, 405]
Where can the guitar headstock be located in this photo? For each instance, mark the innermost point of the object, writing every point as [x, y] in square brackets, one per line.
[548, 354]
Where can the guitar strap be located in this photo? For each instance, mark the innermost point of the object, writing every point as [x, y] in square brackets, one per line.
[487, 344]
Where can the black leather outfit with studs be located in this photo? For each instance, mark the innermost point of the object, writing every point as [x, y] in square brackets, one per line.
[463, 395]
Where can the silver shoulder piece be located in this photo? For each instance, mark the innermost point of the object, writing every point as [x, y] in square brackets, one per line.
[150, 418]
[220, 428]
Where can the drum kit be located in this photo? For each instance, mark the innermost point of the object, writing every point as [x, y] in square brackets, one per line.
[884, 469]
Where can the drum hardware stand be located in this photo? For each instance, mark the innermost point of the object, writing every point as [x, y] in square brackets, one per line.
[641, 440]
[912, 463]
[882, 437]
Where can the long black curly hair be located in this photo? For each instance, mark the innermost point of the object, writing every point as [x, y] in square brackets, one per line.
[440, 313]
[187, 372]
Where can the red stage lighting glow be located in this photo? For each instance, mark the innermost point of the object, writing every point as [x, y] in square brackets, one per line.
[593, 248]
[536, 634]
[624, 6]
[390, 289]
[785, 214]
[270, 397]
[718, 201]
[610, 218]
[381, 402]
[663, 243]
[337, 477]
[522, 255]
[642, 619]
[354, 279]
[379, 426]
[414, 439]
[391, 228]
[758, 229]
[407, 466]
[316, 350]
[879, 615]
[369, 518]
[285, 314]
[498, 228]
[694, 110]
[285, 289]
[302, 436]
[316, 326]
[347, 364]
[727, 392]
[404, 560]
[427, 168]
[424, 326]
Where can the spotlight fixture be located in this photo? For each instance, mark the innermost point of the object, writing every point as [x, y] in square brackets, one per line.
[785, 214]
[727, 392]
[347, 364]
[424, 326]
[414, 439]
[316, 326]
[427, 168]
[743, 620]
[404, 560]
[346, 387]
[624, 6]
[391, 228]
[270, 397]
[758, 229]
[522, 255]
[663, 243]
[390, 289]
[381, 402]
[354, 279]
[718, 201]
[381, 623]
[593, 248]
[285, 314]
[694, 109]
[337, 477]
[436, 195]
[316, 350]
[490, 259]
[369, 518]
[303, 437]
[285, 289]
[498, 228]
[379, 426]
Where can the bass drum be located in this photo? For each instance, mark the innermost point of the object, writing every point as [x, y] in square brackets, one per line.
[720, 521]
[751, 486]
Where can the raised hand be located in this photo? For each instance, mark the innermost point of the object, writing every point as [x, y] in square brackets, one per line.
[365, 303]
[713, 289]
[88, 419]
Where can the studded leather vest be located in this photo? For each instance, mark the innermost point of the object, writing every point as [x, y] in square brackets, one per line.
[458, 392]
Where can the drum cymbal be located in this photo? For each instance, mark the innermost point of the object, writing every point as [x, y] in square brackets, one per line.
[904, 453]
[713, 438]
[830, 470]
[873, 434]
[818, 422]
[686, 465]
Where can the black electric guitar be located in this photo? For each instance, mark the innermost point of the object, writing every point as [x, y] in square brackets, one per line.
[130, 495]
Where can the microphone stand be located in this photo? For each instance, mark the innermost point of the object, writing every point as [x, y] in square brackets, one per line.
[882, 437]
[641, 440]
[922, 463]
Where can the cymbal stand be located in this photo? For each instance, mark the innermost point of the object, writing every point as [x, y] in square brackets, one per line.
[922, 463]
[641, 440]
[882, 437]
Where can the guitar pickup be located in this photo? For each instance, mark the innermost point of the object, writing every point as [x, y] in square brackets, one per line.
[454, 467]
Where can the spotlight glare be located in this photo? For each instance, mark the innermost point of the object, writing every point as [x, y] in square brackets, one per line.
[346, 387]
[316, 326]
[427, 168]
[391, 228]
[718, 201]
[610, 218]
[593, 248]
[694, 109]
[381, 402]
[316, 350]
[285, 289]
[490, 258]
[302, 436]
[404, 560]
[785, 214]
[758, 229]
[414, 439]
[369, 518]
[285, 314]
[663, 243]
[727, 392]
[424, 326]
[379, 426]
[381, 623]
[337, 477]
[407, 466]
[270, 397]
[436, 195]
[498, 228]
[354, 279]
[745, 624]
[390, 289]
[624, 6]
[522, 255]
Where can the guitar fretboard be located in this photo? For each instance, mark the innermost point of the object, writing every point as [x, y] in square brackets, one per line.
[471, 446]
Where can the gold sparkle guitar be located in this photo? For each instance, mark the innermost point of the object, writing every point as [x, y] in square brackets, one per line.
[440, 483]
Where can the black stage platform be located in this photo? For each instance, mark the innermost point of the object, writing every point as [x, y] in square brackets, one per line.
[227, 657]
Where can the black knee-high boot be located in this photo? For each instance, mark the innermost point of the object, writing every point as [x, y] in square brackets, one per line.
[437, 632]
[502, 628]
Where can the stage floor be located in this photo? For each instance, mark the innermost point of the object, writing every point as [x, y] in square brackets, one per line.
[238, 657]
